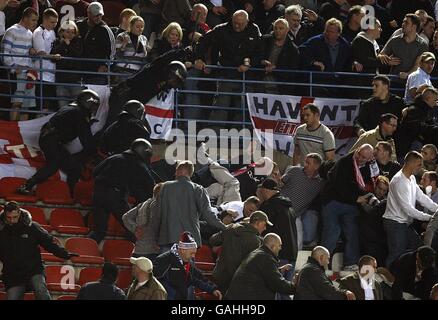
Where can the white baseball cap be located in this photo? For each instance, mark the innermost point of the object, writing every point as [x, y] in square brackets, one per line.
[143, 263]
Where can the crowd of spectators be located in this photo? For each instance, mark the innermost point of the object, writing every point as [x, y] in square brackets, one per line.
[377, 203]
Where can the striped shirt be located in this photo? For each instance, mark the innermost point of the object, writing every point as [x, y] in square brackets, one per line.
[17, 40]
[131, 51]
[318, 141]
[300, 189]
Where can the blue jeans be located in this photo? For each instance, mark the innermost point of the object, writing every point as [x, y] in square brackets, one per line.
[400, 238]
[337, 217]
[309, 221]
[38, 283]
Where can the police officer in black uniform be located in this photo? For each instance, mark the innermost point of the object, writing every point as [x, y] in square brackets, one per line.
[164, 73]
[128, 127]
[116, 178]
[70, 122]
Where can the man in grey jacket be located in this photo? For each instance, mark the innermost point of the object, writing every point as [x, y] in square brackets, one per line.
[182, 204]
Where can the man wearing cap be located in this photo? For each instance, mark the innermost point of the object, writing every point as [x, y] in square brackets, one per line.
[258, 276]
[145, 286]
[177, 271]
[420, 77]
[237, 241]
[105, 288]
[281, 213]
[98, 40]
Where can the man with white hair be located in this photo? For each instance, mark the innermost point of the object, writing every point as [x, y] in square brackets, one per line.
[145, 286]
[235, 42]
[313, 284]
[303, 24]
[258, 277]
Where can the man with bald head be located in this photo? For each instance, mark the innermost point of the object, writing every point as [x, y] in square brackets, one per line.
[312, 282]
[258, 276]
[235, 42]
[340, 212]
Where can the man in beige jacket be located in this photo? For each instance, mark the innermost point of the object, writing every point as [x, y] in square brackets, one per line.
[145, 286]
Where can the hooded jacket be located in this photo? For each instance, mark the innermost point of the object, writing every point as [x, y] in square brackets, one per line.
[281, 214]
[19, 249]
[237, 241]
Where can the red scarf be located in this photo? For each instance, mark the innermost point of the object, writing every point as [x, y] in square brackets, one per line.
[359, 178]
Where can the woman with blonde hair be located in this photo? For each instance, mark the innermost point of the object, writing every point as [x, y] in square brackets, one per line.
[131, 45]
[171, 39]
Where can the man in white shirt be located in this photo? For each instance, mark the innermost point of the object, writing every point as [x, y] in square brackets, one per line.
[239, 210]
[400, 209]
[42, 39]
[420, 77]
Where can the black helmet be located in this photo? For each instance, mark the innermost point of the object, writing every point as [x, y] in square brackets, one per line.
[134, 108]
[89, 101]
[142, 147]
[177, 74]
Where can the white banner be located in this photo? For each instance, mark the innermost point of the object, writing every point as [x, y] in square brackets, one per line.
[281, 115]
[159, 114]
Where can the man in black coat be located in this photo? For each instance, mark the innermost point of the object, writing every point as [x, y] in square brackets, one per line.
[105, 288]
[20, 239]
[418, 124]
[70, 122]
[266, 13]
[164, 73]
[381, 102]
[258, 277]
[177, 271]
[277, 51]
[116, 178]
[415, 273]
[303, 28]
[128, 127]
[313, 284]
[280, 213]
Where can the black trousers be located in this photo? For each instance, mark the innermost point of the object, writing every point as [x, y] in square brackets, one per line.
[106, 201]
[57, 157]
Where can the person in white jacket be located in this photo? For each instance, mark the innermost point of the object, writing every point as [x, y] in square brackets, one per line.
[400, 210]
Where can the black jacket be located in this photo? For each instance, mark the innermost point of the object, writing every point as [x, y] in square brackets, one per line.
[372, 109]
[258, 278]
[69, 123]
[172, 275]
[99, 43]
[264, 19]
[233, 46]
[417, 124]
[288, 59]
[101, 290]
[72, 50]
[126, 172]
[119, 135]
[237, 241]
[280, 213]
[342, 185]
[307, 31]
[404, 270]
[20, 252]
[313, 284]
[331, 10]
[363, 51]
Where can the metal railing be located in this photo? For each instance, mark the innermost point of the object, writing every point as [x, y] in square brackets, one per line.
[303, 83]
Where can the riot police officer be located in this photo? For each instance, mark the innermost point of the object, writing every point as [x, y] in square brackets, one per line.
[70, 122]
[129, 126]
[116, 178]
[164, 73]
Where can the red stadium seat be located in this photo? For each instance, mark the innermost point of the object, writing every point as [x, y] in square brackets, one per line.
[68, 221]
[83, 192]
[8, 188]
[2, 295]
[50, 257]
[118, 251]
[124, 279]
[56, 278]
[87, 249]
[38, 216]
[89, 274]
[54, 192]
[112, 11]
[204, 259]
